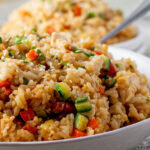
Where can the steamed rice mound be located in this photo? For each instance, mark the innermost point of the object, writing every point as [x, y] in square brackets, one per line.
[82, 18]
[28, 95]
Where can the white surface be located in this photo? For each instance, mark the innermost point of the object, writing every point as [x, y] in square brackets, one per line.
[122, 139]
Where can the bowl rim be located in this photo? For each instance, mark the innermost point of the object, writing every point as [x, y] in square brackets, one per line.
[75, 140]
[92, 137]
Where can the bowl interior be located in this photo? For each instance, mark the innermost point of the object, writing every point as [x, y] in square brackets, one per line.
[143, 66]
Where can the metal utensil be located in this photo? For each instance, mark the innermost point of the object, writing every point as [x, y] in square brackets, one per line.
[139, 12]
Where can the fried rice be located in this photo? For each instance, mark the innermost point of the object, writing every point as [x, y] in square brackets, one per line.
[82, 18]
[52, 88]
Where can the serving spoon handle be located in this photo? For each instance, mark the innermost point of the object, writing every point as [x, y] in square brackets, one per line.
[139, 12]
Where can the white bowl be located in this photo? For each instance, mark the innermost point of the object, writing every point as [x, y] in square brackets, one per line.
[120, 139]
[134, 43]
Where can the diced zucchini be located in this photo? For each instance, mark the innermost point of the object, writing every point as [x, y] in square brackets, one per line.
[80, 122]
[83, 106]
[107, 63]
[82, 99]
[112, 83]
[63, 90]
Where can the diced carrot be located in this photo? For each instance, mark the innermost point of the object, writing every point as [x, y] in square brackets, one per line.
[27, 115]
[67, 51]
[77, 133]
[112, 70]
[4, 84]
[93, 123]
[8, 91]
[101, 90]
[25, 13]
[77, 10]
[67, 27]
[32, 55]
[2, 47]
[50, 30]
[30, 128]
[97, 52]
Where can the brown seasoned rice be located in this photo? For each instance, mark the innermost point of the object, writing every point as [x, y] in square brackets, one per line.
[95, 20]
[32, 85]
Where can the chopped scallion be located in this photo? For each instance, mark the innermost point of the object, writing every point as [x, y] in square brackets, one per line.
[83, 67]
[25, 81]
[64, 62]
[101, 15]
[42, 57]
[11, 53]
[18, 40]
[148, 100]
[0, 39]
[34, 29]
[91, 15]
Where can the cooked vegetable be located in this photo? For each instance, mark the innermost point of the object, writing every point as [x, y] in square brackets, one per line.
[4, 84]
[8, 91]
[67, 51]
[118, 66]
[25, 81]
[83, 67]
[107, 63]
[97, 52]
[63, 90]
[30, 128]
[148, 100]
[38, 51]
[93, 123]
[93, 48]
[77, 133]
[82, 99]
[106, 76]
[11, 53]
[86, 54]
[0, 39]
[42, 57]
[112, 83]
[27, 115]
[80, 122]
[19, 39]
[101, 15]
[131, 66]
[91, 15]
[101, 90]
[83, 106]
[50, 30]
[73, 3]
[77, 10]
[64, 63]
[112, 71]
[34, 30]
[32, 55]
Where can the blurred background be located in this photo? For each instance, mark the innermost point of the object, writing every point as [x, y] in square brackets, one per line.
[6, 7]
